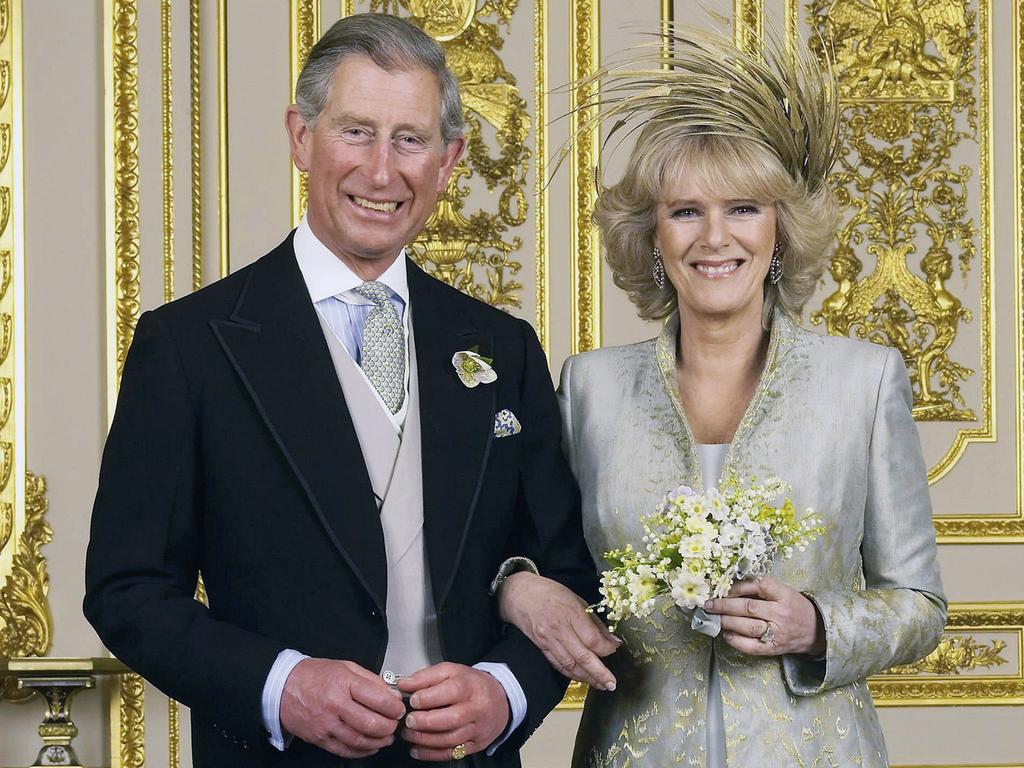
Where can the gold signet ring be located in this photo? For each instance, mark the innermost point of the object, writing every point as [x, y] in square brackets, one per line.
[458, 751]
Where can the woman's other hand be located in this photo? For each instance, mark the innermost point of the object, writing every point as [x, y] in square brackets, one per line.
[764, 617]
[556, 620]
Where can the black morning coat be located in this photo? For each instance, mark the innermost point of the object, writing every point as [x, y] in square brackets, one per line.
[232, 453]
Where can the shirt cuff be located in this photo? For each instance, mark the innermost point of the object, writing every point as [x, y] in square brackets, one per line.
[272, 690]
[514, 694]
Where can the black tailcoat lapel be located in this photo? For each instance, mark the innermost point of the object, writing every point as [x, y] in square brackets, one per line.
[457, 424]
[275, 343]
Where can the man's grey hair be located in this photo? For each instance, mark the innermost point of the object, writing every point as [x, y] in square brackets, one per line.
[391, 43]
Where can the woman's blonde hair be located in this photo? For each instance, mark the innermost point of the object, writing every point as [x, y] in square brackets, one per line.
[727, 166]
[760, 123]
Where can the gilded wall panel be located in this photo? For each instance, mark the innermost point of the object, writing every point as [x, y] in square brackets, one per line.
[123, 258]
[913, 261]
[913, 182]
[979, 660]
[26, 625]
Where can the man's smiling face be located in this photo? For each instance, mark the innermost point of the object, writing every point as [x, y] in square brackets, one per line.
[376, 161]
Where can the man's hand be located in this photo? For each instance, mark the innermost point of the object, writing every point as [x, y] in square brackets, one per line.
[340, 707]
[453, 704]
[556, 620]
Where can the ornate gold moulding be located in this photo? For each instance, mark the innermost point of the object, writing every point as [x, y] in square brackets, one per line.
[57, 680]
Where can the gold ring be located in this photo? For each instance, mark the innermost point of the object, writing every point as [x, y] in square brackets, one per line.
[458, 751]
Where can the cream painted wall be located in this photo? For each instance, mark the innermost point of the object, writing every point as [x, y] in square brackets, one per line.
[64, 147]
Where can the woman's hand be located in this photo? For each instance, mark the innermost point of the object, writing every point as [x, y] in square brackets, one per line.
[764, 617]
[556, 620]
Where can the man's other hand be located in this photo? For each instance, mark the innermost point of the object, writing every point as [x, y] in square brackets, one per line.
[556, 620]
[340, 707]
[453, 704]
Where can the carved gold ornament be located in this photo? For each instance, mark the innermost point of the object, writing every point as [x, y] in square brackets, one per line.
[26, 626]
[473, 251]
[906, 71]
[966, 668]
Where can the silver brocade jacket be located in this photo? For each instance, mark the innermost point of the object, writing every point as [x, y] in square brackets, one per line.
[832, 417]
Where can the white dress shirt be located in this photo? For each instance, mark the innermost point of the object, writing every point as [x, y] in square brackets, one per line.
[330, 283]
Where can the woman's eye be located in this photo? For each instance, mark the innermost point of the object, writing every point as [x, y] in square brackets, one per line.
[746, 210]
[684, 213]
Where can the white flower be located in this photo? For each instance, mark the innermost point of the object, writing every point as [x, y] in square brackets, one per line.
[729, 535]
[697, 545]
[643, 583]
[473, 369]
[688, 590]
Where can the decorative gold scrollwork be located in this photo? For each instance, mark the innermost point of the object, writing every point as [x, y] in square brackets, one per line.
[906, 76]
[955, 655]
[25, 620]
[132, 721]
[473, 252]
[940, 677]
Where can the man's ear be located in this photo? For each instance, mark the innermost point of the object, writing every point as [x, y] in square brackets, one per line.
[449, 157]
[300, 137]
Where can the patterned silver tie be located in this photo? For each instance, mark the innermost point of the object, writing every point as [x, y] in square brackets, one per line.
[383, 358]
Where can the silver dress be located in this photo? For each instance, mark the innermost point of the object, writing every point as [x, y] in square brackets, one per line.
[830, 416]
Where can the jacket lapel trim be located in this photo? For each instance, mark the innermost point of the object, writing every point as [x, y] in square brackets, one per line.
[274, 342]
[457, 425]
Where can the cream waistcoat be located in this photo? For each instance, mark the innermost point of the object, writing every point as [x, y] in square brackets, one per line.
[396, 474]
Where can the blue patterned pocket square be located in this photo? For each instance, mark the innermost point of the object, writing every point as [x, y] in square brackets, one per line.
[506, 424]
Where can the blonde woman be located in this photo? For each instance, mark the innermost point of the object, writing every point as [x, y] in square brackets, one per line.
[720, 227]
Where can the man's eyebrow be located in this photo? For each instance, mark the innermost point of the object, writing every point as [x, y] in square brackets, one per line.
[349, 118]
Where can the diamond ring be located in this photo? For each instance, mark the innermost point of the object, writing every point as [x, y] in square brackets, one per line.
[769, 635]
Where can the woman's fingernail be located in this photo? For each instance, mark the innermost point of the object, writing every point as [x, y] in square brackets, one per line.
[410, 721]
[414, 701]
[609, 686]
[617, 639]
[415, 754]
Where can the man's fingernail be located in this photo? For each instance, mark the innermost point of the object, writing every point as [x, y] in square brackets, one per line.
[617, 639]
[708, 604]
[415, 754]
[410, 720]
[610, 685]
[414, 700]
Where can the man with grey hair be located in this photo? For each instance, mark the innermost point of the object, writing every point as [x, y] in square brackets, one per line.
[349, 451]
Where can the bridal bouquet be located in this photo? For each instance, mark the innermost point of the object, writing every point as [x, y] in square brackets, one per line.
[695, 546]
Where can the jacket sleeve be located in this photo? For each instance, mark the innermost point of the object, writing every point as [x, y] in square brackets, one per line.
[548, 530]
[144, 549]
[899, 614]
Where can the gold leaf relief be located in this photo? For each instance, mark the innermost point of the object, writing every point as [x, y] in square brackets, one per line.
[5, 82]
[6, 335]
[6, 464]
[5, 19]
[6, 524]
[5, 208]
[5, 272]
[5, 144]
[473, 251]
[906, 72]
[6, 400]
[443, 19]
[25, 621]
[955, 655]
[132, 718]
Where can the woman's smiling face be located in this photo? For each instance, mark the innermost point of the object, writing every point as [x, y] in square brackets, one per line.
[716, 250]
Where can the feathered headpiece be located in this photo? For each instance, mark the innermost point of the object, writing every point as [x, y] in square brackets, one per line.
[696, 79]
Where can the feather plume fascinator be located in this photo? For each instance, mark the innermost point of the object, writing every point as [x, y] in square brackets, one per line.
[778, 95]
